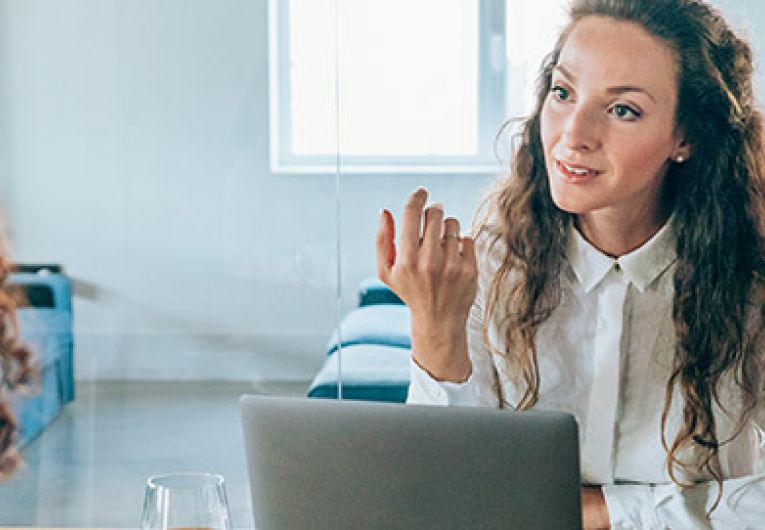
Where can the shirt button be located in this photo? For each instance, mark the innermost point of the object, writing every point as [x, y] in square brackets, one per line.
[617, 267]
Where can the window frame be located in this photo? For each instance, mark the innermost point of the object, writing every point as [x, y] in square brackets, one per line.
[491, 100]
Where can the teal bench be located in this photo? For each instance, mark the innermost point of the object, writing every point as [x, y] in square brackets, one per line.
[45, 325]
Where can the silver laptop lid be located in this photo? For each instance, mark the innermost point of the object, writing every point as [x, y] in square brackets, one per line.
[329, 465]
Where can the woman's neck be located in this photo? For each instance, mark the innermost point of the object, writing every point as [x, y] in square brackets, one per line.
[617, 235]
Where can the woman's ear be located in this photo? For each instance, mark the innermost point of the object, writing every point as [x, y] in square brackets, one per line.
[682, 152]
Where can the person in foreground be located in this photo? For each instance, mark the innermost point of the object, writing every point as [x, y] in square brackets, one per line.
[16, 373]
[617, 271]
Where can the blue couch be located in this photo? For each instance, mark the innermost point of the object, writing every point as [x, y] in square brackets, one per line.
[45, 325]
[375, 347]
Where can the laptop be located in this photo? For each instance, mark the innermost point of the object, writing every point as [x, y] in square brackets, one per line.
[335, 465]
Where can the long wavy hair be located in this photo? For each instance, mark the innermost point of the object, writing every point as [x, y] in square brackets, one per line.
[17, 372]
[717, 199]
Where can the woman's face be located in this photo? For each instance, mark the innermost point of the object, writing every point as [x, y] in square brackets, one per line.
[607, 125]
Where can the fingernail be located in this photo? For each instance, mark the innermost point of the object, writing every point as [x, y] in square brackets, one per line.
[421, 190]
[437, 205]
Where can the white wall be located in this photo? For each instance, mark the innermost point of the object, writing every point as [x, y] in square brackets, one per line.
[133, 150]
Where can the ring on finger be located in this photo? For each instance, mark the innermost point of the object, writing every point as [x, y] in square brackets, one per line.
[449, 235]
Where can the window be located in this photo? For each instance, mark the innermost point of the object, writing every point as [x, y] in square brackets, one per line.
[418, 85]
[532, 28]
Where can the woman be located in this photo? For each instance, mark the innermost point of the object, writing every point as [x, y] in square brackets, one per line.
[618, 272]
[15, 371]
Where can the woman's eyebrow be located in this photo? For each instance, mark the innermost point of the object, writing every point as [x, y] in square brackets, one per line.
[615, 90]
[564, 71]
[618, 90]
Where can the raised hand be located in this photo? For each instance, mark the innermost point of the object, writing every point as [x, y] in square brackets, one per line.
[433, 270]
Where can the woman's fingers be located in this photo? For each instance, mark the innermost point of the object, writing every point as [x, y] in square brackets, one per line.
[467, 252]
[409, 245]
[452, 270]
[429, 243]
[451, 236]
[431, 234]
[385, 245]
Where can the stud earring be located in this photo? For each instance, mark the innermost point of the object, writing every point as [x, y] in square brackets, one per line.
[680, 159]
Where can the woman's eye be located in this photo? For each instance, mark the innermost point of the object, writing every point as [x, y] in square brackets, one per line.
[560, 93]
[625, 112]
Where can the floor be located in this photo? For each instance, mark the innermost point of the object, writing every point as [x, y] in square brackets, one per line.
[88, 469]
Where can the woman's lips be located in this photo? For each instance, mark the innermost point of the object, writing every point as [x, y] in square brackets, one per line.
[576, 173]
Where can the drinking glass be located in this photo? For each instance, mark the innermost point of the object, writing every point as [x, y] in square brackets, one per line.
[185, 501]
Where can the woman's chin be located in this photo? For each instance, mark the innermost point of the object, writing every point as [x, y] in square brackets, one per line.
[569, 204]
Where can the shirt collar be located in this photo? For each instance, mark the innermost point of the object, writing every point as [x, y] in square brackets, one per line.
[641, 266]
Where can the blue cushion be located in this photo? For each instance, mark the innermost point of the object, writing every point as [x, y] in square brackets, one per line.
[384, 324]
[373, 291]
[369, 372]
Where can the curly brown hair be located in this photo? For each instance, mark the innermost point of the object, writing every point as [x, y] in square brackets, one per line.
[717, 201]
[16, 371]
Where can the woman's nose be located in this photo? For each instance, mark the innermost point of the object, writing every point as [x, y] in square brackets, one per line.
[581, 130]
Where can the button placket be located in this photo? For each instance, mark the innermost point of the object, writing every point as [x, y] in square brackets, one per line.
[597, 453]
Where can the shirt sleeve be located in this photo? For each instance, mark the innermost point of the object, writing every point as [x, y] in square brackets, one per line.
[481, 388]
[742, 505]
[425, 390]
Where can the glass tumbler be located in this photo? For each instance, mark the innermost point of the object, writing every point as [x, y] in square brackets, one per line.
[185, 501]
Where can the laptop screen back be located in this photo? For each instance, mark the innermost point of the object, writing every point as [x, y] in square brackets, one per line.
[323, 464]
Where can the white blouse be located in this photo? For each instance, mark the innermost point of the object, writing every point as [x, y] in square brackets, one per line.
[605, 356]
